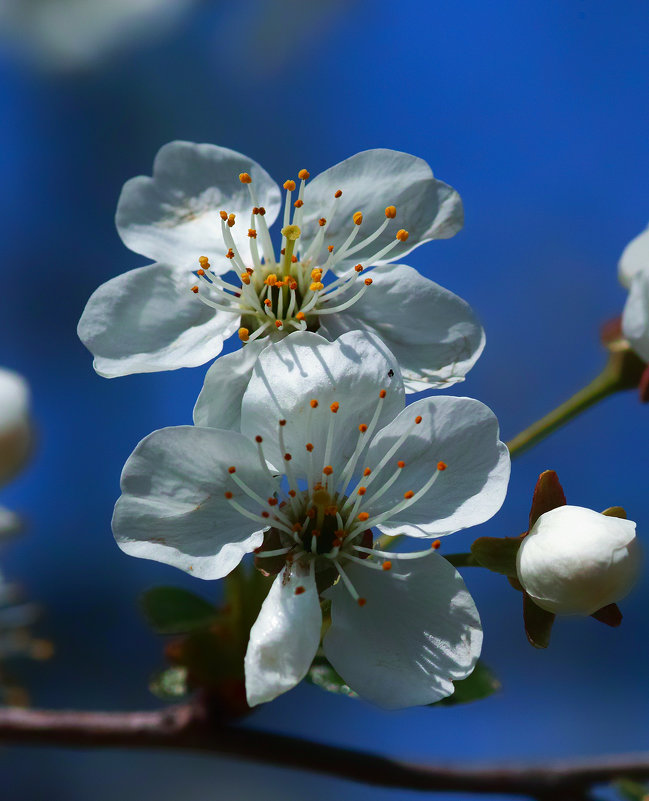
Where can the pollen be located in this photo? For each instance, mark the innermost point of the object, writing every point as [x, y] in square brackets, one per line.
[401, 464]
[316, 286]
[252, 233]
[338, 193]
[402, 235]
[357, 217]
[195, 290]
[361, 601]
[441, 466]
[244, 334]
[299, 590]
[328, 470]
[418, 419]
[435, 544]
[391, 212]
[291, 232]
[223, 215]
[289, 185]
[303, 175]
[382, 394]
[387, 565]
[322, 222]
[245, 178]
[368, 282]
[228, 494]
[245, 278]
[334, 407]
[362, 428]
[367, 472]
[298, 204]
[362, 490]
[408, 495]
[359, 268]
[363, 516]
[232, 470]
[309, 446]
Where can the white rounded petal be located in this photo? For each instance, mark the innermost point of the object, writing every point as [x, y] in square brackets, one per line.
[304, 366]
[411, 639]
[635, 258]
[15, 428]
[463, 434]
[635, 317]
[575, 561]
[433, 333]
[372, 180]
[10, 523]
[147, 320]
[219, 404]
[174, 215]
[284, 638]
[173, 507]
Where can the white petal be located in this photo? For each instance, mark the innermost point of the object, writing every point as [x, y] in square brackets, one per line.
[15, 427]
[370, 181]
[350, 371]
[173, 507]
[412, 637]
[10, 524]
[635, 258]
[462, 433]
[219, 404]
[433, 333]
[174, 216]
[284, 638]
[635, 317]
[147, 320]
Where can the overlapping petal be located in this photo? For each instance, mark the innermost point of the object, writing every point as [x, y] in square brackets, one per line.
[147, 320]
[635, 258]
[463, 434]
[418, 631]
[173, 507]
[433, 333]
[370, 181]
[173, 216]
[284, 638]
[635, 318]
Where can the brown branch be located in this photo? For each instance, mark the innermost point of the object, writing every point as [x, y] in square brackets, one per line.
[187, 727]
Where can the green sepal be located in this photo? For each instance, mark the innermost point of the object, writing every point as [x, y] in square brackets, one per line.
[538, 623]
[170, 684]
[497, 553]
[615, 511]
[173, 610]
[480, 684]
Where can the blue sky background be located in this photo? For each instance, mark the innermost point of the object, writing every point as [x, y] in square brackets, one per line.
[538, 114]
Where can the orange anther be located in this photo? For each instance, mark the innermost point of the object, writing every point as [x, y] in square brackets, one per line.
[391, 212]
[223, 215]
[287, 457]
[300, 316]
[245, 178]
[232, 470]
[271, 279]
[338, 193]
[292, 493]
[315, 532]
[330, 248]
[272, 501]
[322, 222]
[252, 233]
[382, 393]
[244, 334]
[366, 472]
[298, 204]
[203, 261]
[387, 565]
[293, 285]
[362, 428]
[282, 422]
[249, 270]
[359, 268]
[231, 219]
[195, 290]
[401, 464]
[363, 516]
[334, 407]
[362, 490]
[361, 601]
[229, 254]
[408, 495]
[200, 272]
[357, 217]
[228, 494]
[418, 419]
[435, 544]
[328, 470]
[303, 175]
[309, 446]
[368, 282]
[265, 514]
[296, 527]
[402, 235]
[255, 209]
[278, 323]
[311, 514]
[313, 403]
[441, 465]
[267, 302]
[316, 286]
[331, 511]
[316, 274]
[289, 185]
[299, 590]
[259, 438]
[294, 259]
[245, 278]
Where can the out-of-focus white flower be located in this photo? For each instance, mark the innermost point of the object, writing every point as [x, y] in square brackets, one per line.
[70, 34]
[208, 209]
[575, 561]
[634, 274]
[15, 429]
[326, 452]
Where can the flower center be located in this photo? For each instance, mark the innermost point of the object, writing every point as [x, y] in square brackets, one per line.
[324, 520]
[275, 296]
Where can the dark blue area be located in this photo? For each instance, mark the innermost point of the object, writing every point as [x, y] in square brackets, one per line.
[537, 113]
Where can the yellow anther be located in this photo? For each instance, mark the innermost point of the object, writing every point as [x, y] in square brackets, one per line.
[271, 280]
[303, 175]
[224, 215]
[291, 232]
[252, 233]
[245, 278]
[391, 212]
[435, 544]
[245, 178]
[357, 217]
[203, 261]
[316, 286]
[316, 274]
[401, 464]
[289, 185]
[255, 209]
[244, 334]
[402, 235]
[231, 219]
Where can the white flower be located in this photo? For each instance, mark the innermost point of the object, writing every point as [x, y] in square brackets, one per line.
[208, 209]
[15, 430]
[326, 452]
[634, 274]
[575, 561]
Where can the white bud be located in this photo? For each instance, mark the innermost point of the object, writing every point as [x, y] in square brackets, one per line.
[575, 561]
[15, 429]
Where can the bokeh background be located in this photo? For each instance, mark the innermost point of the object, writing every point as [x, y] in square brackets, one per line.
[538, 114]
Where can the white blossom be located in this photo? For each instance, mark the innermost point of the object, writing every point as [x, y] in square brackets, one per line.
[575, 561]
[634, 274]
[15, 429]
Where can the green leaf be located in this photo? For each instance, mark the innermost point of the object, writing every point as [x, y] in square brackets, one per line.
[497, 553]
[480, 684]
[172, 610]
[170, 684]
[324, 676]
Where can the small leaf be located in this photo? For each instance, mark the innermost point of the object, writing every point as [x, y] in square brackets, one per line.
[548, 494]
[170, 684]
[324, 676]
[615, 511]
[480, 684]
[497, 553]
[172, 610]
[538, 623]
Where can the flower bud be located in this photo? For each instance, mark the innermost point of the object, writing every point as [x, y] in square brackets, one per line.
[574, 561]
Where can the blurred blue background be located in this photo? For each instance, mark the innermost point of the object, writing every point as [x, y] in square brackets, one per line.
[538, 114]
